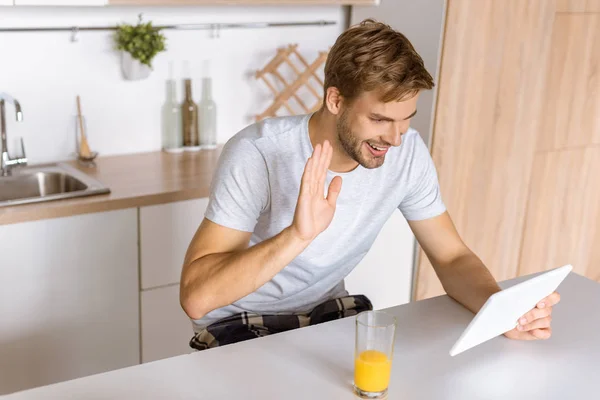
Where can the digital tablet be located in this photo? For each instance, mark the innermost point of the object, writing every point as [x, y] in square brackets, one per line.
[502, 310]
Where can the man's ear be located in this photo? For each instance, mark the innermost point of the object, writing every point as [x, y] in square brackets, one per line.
[333, 100]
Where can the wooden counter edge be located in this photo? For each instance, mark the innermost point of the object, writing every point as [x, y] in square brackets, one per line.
[46, 210]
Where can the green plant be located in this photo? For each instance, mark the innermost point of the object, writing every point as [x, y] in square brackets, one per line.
[142, 41]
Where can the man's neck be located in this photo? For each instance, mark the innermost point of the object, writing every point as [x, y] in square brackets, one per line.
[321, 127]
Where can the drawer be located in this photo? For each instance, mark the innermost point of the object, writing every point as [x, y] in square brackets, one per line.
[166, 330]
[165, 234]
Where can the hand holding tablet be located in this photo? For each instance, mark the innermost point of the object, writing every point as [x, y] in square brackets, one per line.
[502, 312]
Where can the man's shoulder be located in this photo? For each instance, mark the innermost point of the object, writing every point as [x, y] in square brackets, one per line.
[273, 128]
[412, 137]
[266, 139]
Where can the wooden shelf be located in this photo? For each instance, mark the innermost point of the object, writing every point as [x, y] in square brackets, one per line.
[239, 2]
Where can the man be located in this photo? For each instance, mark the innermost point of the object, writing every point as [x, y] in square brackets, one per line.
[296, 202]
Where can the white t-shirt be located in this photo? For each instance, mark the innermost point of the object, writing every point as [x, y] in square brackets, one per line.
[255, 189]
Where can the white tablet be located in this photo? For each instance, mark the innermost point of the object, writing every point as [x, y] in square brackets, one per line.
[503, 309]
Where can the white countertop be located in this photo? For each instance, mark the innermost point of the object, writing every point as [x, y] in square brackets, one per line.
[317, 362]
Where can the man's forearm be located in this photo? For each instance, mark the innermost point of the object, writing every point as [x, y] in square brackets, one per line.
[467, 280]
[217, 280]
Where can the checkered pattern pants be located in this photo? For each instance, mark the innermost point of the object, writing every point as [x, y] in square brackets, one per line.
[244, 326]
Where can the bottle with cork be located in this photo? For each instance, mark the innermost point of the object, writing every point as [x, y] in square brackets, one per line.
[189, 114]
[172, 139]
[208, 111]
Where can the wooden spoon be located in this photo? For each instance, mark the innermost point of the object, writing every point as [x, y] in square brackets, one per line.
[84, 149]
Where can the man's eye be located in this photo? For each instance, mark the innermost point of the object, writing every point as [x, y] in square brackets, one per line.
[376, 120]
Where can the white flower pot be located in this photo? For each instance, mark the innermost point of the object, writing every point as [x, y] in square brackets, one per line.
[132, 68]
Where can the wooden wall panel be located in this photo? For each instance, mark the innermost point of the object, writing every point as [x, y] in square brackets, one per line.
[578, 5]
[517, 135]
[492, 76]
[572, 107]
[563, 213]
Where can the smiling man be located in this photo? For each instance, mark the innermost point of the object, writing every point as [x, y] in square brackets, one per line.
[296, 203]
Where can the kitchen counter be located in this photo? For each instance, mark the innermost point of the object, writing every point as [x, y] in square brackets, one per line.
[134, 181]
[317, 362]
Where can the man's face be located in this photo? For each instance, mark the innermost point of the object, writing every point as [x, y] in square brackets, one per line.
[368, 127]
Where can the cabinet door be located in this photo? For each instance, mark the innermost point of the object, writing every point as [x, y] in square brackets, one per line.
[61, 2]
[166, 330]
[69, 298]
[385, 274]
[166, 231]
[562, 222]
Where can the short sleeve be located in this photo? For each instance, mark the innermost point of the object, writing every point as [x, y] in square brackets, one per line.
[240, 186]
[423, 199]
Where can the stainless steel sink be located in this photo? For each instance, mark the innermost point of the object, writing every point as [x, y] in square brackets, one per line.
[46, 183]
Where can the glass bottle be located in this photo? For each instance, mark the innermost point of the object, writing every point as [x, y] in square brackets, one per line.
[189, 116]
[208, 112]
[172, 139]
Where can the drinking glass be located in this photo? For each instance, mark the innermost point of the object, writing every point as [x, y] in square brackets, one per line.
[374, 348]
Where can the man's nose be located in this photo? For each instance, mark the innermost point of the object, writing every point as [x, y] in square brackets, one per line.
[394, 136]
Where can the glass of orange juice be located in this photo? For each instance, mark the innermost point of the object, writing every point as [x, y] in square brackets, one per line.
[374, 347]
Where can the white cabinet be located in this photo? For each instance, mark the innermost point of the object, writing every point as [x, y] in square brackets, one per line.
[61, 2]
[165, 234]
[385, 274]
[6, 2]
[69, 298]
[166, 329]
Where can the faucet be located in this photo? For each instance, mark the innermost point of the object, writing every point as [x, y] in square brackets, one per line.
[7, 163]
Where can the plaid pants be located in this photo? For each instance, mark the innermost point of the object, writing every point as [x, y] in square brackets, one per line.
[244, 326]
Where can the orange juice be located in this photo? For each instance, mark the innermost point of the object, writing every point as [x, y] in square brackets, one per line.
[372, 370]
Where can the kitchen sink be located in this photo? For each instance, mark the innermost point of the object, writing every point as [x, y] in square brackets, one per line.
[47, 183]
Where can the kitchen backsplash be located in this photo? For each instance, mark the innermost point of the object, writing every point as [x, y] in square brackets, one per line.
[45, 71]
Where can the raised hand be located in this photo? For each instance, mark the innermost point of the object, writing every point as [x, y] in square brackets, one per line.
[314, 211]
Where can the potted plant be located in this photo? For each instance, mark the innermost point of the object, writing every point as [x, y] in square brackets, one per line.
[139, 44]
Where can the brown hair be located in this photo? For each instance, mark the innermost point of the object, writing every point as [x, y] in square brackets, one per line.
[373, 56]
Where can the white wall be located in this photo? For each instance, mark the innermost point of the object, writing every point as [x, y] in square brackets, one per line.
[385, 274]
[422, 22]
[45, 71]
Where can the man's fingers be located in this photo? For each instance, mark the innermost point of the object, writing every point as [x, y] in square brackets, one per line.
[534, 314]
[541, 323]
[315, 168]
[324, 164]
[549, 301]
[542, 334]
[305, 183]
[526, 336]
[334, 190]
[517, 335]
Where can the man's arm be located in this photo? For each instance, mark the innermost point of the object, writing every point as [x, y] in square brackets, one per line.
[467, 280]
[462, 274]
[220, 269]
